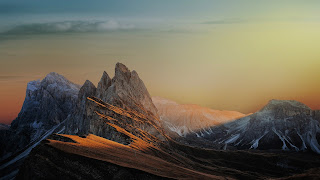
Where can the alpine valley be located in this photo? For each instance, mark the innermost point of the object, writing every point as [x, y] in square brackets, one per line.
[116, 130]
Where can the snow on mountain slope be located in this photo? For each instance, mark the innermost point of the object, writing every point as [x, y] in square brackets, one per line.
[187, 118]
[281, 124]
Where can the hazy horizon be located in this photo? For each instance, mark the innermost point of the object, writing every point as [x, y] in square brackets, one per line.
[226, 55]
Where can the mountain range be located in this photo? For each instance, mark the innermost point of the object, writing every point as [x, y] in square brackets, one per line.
[184, 119]
[281, 124]
[115, 130]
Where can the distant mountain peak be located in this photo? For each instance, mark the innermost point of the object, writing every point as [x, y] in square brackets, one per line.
[285, 104]
[161, 100]
[281, 124]
[187, 118]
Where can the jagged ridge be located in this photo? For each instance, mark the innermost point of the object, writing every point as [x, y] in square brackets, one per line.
[126, 91]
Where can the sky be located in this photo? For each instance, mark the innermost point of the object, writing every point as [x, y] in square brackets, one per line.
[226, 55]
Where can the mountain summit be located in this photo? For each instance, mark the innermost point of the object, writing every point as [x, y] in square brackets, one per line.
[47, 103]
[281, 124]
[124, 92]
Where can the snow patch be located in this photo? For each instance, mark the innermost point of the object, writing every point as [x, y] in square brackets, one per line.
[284, 146]
[256, 142]
[232, 139]
[180, 130]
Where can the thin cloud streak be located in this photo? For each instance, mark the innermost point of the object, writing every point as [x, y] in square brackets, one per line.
[69, 27]
[261, 20]
[226, 21]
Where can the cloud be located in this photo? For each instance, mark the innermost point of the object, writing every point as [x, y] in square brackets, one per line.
[226, 21]
[69, 26]
[262, 20]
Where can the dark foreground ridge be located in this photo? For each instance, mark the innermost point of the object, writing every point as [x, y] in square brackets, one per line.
[55, 158]
[47, 162]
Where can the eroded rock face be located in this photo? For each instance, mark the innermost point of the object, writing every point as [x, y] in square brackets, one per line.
[47, 103]
[79, 120]
[281, 124]
[126, 91]
[103, 85]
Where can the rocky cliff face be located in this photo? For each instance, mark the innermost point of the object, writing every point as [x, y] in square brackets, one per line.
[47, 103]
[78, 122]
[188, 118]
[127, 91]
[281, 124]
[124, 91]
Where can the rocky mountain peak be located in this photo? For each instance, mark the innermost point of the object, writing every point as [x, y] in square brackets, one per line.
[44, 99]
[54, 79]
[103, 85]
[125, 91]
[87, 89]
[88, 83]
[46, 105]
[285, 106]
[130, 89]
[122, 71]
[281, 124]
[33, 85]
